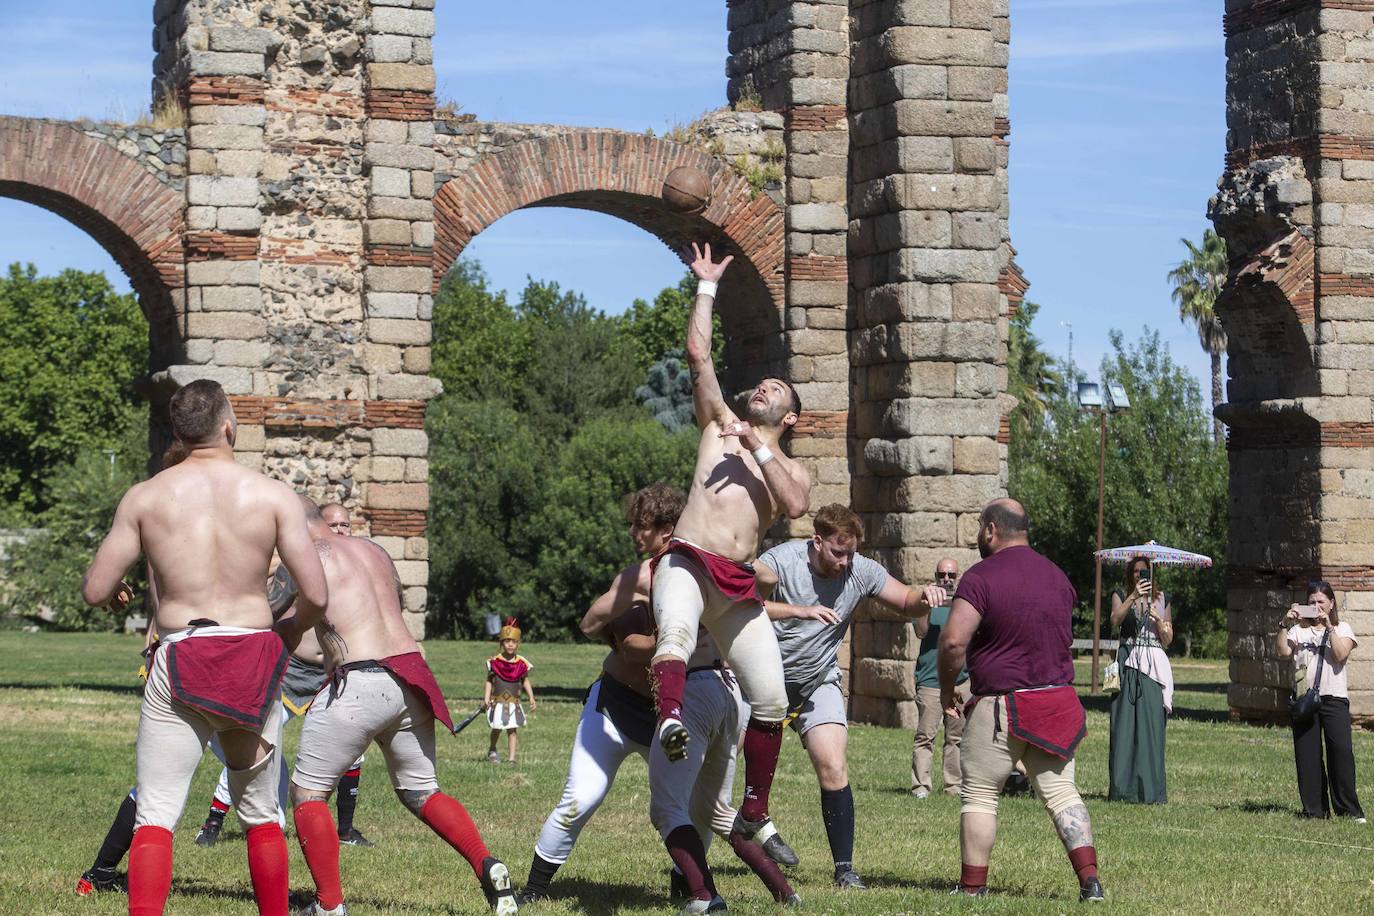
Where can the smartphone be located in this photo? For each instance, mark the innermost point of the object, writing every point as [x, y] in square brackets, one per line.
[1308, 611]
[1145, 574]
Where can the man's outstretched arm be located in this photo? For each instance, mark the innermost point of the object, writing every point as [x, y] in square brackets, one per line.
[706, 395]
[116, 554]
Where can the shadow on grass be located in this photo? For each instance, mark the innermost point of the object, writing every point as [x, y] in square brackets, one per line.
[602, 897]
[1103, 704]
[73, 685]
[932, 885]
[1212, 687]
[1250, 806]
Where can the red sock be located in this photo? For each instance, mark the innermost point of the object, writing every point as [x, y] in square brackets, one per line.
[218, 807]
[757, 860]
[973, 877]
[267, 868]
[1084, 862]
[319, 841]
[689, 855]
[447, 817]
[150, 871]
[669, 680]
[762, 745]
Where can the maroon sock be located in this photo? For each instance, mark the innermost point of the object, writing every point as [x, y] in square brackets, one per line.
[762, 745]
[973, 877]
[687, 853]
[757, 860]
[670, 679]
[1084, 862]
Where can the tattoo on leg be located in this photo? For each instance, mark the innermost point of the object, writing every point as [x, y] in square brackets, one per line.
[1074, 826]
[414, 799]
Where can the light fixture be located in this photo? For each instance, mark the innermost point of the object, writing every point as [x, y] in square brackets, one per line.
[1089, 395]
[1116, 397]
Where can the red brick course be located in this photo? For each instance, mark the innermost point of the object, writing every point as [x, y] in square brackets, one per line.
[114, 198]
[400, 105]
[319, 413]
[1336, 434]
[1342, 578]
[1326, 146]
[223, 90]
[617, 173]
[816, 117]
[403, 523]
[399, 256]
[225, 246]
[822, 424]
[818, 267]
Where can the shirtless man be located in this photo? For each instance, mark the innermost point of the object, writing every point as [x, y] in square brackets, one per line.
[302, 682]
[741, 483]
[382, 690]
[208, 527]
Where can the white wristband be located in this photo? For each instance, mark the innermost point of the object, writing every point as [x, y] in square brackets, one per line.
[763, 454]
[707, 288]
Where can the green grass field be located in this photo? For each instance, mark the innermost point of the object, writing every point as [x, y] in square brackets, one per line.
[1228, 841]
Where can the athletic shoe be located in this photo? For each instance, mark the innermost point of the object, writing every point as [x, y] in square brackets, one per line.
[673, 738]
[677, 886]
[1091, 890]
[959, 889]
[1362, 820]
[846, 878]
[209, 831]
[765, 833]
[527, 896]
[314, 909]
[715, 905]
[354, 837]
[793, 902]
[101, 879]
[920, 793]
[493, 757]
[496, 885]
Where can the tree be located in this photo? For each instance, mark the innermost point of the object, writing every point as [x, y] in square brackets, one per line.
[43, 575]
[1031, 374]
[667, 394]
[480, 346]
[1165, 479]
[653, 332]
[1197, 281]
[69, 357]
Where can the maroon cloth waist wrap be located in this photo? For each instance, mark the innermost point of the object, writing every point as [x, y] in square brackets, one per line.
[735, 580]
[1050, 718]
[412, 670]
[237, 677]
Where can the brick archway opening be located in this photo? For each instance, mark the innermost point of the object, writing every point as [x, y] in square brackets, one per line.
[135, 217]
[621, 175]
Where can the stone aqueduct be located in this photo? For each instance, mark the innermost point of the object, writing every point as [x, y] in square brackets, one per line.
[287, 241]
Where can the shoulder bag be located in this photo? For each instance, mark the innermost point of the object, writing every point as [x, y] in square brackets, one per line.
[1302, 709]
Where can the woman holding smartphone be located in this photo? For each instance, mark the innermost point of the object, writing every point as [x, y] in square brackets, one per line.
[1140, 710]
[1314, 632]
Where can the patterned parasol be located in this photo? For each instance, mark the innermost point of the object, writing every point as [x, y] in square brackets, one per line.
[1157, 554]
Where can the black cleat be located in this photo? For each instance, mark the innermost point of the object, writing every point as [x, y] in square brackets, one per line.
[677, 886]
[673, 738]
[766, 835]
[101, 879]
[496, 885]
[354, 837]
[846, 878]
[779, 851]
[209, 831]
[1091, 891]
[527, 896]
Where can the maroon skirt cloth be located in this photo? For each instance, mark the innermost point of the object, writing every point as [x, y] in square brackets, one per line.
[234, 676]
[412, 670]
[735, 581]
[1052, 719]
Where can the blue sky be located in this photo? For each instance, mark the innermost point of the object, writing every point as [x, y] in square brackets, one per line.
[1118, 129]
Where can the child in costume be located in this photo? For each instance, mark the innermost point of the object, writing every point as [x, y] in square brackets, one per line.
[507, 674]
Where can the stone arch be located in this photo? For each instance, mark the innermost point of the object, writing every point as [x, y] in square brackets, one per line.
[135, 217]
[621, 175]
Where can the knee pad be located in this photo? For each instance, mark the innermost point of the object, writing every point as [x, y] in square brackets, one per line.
[677, 641]
[415, 799]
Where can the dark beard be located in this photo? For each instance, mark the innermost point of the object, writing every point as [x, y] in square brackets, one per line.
[763, 416]
[984, 548]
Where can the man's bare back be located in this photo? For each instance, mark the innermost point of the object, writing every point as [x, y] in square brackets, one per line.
[363, 617]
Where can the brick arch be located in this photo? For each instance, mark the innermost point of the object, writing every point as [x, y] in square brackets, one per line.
[621, 175]
[113, 198]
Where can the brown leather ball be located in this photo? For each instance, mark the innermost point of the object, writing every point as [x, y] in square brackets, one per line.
[687, 190]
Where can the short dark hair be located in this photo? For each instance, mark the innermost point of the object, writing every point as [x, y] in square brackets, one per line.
[1009, 517]
[796, 398]
[654, 506]
[197, 409]
[837, 517]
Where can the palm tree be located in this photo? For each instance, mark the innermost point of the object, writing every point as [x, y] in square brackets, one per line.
[1197, 282]
[1031, 374]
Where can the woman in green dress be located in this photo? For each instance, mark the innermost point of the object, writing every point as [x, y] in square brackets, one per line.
[1139, 711]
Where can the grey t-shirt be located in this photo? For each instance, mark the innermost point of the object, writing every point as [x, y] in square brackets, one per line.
[810, 647]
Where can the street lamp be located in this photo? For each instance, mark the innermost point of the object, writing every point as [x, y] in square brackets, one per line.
[1090, 399]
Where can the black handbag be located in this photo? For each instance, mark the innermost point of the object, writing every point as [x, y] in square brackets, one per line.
[1303, 709]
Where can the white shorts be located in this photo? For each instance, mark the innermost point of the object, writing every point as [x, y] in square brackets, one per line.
[371, 706]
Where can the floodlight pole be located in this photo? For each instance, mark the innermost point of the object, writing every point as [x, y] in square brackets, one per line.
[1101, 501]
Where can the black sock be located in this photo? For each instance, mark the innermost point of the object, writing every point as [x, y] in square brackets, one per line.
[837, 811]
[541, 873]
[119, 838]
[347, 799]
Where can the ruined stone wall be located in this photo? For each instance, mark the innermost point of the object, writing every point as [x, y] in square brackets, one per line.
[927, 247]
[1296, 206]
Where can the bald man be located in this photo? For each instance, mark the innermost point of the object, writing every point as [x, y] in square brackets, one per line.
[1010, 624]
